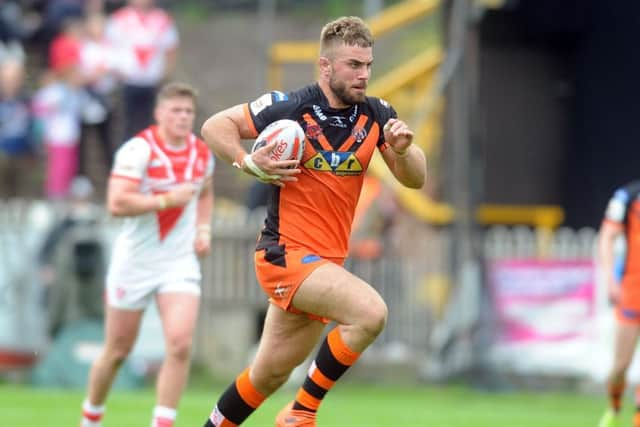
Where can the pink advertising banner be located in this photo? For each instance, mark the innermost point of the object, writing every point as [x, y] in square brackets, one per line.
[543, 300]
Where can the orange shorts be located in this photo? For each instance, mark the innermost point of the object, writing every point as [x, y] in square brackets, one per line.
[628, 309]
[281, 270]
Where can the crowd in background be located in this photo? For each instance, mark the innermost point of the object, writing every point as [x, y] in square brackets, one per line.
[93, 53]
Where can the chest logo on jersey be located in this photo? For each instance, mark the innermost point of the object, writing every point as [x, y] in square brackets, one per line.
[338, 162]
[313, 131]
[359, 133]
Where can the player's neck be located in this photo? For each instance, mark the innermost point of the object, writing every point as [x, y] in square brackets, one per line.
[172, 142]
[332, 99]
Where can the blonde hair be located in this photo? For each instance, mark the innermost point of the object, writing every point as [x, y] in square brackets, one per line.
[347, 30]
[176, 90]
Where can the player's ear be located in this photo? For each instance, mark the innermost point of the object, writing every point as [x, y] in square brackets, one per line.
[325, 65]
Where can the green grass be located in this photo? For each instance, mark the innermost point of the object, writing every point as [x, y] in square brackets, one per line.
[346, 406]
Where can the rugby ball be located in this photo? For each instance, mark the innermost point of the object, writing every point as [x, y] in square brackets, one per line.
[289, 138]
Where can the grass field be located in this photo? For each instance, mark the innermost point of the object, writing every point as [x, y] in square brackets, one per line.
[346, 406]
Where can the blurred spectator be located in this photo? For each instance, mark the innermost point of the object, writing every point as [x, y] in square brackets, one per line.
[56, 14]
[98, 61]
[15, 128]
[15, 25]
[65, 47]
[57, 106]
[257, 195]
[372, 220]
[72, 261]
[146, 38]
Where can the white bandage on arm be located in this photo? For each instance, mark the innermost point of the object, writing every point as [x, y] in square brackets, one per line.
[259, 173]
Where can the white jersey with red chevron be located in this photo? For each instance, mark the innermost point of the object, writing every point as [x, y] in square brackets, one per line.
[142, 39]
[159, 245]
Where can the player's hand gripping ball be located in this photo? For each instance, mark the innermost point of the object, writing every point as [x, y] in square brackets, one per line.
[289, 138]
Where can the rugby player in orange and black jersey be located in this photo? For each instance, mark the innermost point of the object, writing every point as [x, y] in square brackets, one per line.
[316, 212]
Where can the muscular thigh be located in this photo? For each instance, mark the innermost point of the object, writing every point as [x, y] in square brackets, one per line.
[332, 292]
[121, 328]
[179, 313]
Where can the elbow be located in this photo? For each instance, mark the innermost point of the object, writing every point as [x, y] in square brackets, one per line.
[204, 130]
[115, 207]
[417, 181]
[207, 129]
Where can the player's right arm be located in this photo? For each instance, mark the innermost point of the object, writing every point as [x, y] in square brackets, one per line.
[123, 191]
[611, 229]
[223, 132]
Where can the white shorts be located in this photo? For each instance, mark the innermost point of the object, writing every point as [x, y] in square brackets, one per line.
[138, 296]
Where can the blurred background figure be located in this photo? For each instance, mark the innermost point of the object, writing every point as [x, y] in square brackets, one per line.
[15, 27]
[72, 261]
[55, 15]
[16, 148]
[373, 219]
[57, 106]
[146, 40]
[98, 61]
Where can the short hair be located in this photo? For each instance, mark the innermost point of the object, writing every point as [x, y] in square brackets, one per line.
[176, 90]
[348, 30]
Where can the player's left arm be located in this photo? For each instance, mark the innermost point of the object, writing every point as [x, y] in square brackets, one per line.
[406, 161]
[204, 211]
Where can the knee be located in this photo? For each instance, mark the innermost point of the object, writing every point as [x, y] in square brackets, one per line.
[374, 318]
[116, 355]
[179, 348]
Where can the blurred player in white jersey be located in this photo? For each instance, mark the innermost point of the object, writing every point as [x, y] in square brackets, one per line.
[146, 39]
[161, 182]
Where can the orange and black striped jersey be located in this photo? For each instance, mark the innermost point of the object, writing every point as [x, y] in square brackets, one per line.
[316, 212]
[623, 211]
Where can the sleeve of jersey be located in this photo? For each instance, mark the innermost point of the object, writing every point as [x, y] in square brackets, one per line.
[617, 207]
[131, 160]
[267, 109]
[171, 38]
[384, 111]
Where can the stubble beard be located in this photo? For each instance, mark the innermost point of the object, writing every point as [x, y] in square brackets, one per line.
[339, 89]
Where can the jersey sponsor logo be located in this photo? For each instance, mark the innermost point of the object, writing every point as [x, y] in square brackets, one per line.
[319, 113]
[266, 100]
[124, 168]
[338, 162]
[352, 117]
[260, 104]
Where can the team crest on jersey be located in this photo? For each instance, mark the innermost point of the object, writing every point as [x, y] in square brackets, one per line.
[359, 133]
[338, 162]
[313, 131]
